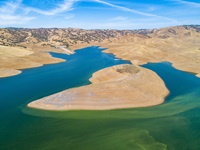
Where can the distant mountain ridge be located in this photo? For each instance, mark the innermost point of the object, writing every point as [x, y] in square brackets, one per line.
[71, 36]
[22, 48]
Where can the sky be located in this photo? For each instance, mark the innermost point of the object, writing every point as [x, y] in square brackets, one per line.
[98, 14]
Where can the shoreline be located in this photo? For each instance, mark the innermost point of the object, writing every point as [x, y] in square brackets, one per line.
[68, 52]
[139, 87]
[5, 72]
[14, 63]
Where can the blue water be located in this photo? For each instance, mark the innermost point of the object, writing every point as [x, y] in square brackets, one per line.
[174, 125]
[39, 82]
[178, 82]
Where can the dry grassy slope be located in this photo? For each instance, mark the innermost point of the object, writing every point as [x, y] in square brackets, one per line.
[177, 45]
[56, 37]
[13, 59]
[40, 41]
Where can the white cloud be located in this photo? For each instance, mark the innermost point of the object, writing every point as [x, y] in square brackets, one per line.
[10, 7]
[14, 19]
[67, 5]
[193, 4]
[133, 11]
[14, 12]
[8, 14]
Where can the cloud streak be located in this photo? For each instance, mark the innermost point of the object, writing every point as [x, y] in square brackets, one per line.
[133, 11]
[67, 5]
[8, 14]
[193, 4]
[10, 7]
[14, 12]
[14, 19]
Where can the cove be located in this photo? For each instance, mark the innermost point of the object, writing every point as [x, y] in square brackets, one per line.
[172, 125]
[39, 82]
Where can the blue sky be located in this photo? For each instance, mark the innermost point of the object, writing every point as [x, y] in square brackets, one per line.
[98, 14]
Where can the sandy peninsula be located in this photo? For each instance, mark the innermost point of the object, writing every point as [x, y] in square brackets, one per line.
[122, 86]
[14, 59]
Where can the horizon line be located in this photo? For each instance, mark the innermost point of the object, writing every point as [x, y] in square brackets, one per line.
[96, 28]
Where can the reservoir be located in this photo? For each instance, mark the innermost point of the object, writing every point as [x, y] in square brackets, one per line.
[172, 125]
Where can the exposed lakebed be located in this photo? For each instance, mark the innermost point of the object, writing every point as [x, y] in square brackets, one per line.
[172, 125]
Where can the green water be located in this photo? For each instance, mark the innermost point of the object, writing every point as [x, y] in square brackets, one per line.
[174, 125]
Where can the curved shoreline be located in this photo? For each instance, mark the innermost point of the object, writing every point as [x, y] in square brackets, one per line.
[15, 59]
[111, 88]
[5, 72]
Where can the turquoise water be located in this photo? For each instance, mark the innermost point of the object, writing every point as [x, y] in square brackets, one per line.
[173, 125]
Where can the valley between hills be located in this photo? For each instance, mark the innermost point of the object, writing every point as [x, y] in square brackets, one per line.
[27, 48]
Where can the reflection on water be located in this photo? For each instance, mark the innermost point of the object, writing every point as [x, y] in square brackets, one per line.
[173, 125]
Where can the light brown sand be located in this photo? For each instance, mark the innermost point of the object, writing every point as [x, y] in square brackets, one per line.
[4, 72]
[122, 86]
[13, 59]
